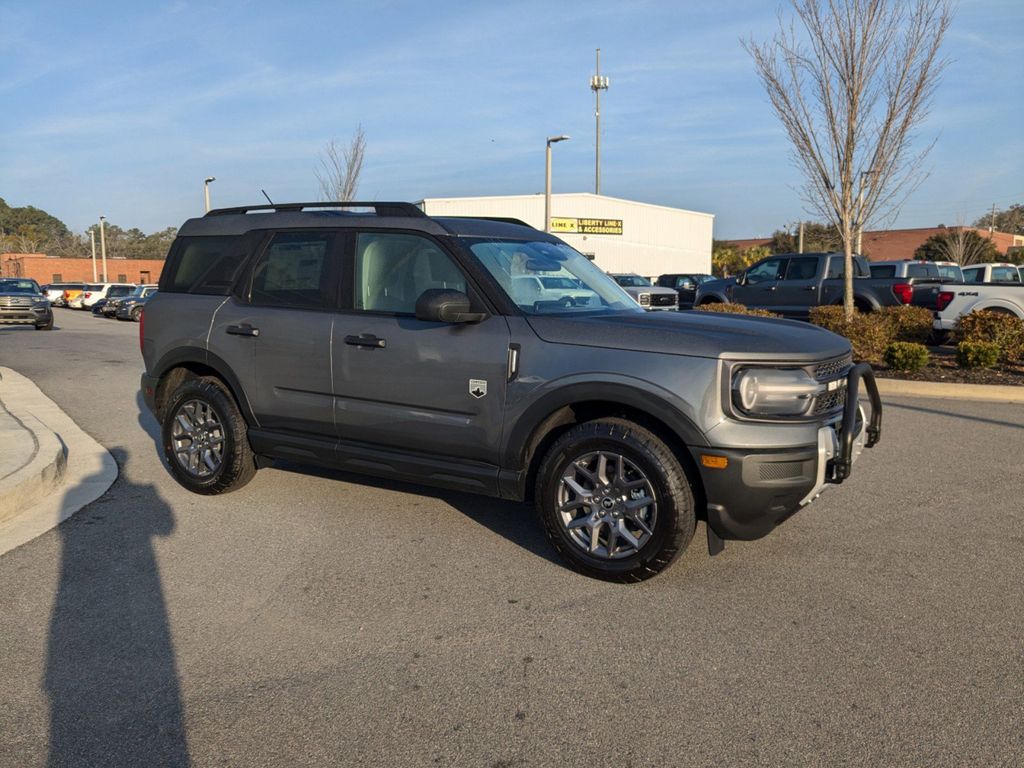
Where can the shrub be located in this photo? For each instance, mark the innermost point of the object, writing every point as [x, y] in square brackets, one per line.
[912, 324]
[869, 333]
[735, 309]
[977, 354]
[906, 356]
[1004, 330]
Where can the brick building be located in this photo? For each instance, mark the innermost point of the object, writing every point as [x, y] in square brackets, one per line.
[49, 269]
[898, 244]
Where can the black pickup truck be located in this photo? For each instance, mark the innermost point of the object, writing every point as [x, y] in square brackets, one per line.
[792, 283]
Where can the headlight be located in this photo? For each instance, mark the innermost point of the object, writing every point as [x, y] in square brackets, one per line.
[44, 304]
[645, 299]
[774, 391]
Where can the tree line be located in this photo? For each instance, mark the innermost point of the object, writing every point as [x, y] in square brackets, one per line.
[32, 230]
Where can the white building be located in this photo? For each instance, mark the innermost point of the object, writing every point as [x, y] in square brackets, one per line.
[620, 235]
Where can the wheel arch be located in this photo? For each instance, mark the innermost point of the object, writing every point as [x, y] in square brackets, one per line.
[195, 362]
[552, 415]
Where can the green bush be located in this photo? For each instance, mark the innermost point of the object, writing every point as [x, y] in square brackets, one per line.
[912, 324]
[869, 333]
[977, 354]
[1004, 330]
[735, 309]
[905, 356]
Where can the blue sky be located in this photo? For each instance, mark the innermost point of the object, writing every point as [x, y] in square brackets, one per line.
[121, 108]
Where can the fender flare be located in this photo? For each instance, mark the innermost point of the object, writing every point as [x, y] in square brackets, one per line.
[995, 304]
[521, 434]
[185, 355]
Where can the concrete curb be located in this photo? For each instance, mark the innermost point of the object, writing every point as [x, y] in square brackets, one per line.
[38, 461]
[88, 470]
[993, 393]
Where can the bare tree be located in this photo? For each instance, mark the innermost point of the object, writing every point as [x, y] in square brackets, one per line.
[340, 168]
[851, 81]
[962, 245]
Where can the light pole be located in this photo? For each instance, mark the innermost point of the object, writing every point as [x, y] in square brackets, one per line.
[92, 236]
[547, 179]
[206, 190]
[598, 84]
[103, 246]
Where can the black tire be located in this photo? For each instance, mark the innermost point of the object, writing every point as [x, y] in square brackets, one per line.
[237, 464]
[670, 485]
[136, 313]
[47, 326]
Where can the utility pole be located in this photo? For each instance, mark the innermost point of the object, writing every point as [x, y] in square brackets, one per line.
[598, 84]
[103, 246]
[992, 224]
[800, 244]
[92, 236]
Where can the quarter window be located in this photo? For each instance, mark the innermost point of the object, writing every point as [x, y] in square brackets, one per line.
[295, 271]
[393, 270]
[202, 265]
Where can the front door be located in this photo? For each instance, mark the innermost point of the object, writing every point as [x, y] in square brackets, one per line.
[798, 291]
[760, 284]
[277, 336]
[430, 388]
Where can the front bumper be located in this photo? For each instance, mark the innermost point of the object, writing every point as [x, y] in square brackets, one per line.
[758, 490]
[25, 316]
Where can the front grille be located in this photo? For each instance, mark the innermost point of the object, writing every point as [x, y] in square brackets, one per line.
[833, 368]
[15, 302]
[781, 470]
[664, 300]
[830, 401]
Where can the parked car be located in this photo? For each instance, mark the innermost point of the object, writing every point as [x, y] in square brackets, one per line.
[958, 300]
[556, 288]
[22, 302]
[390, 343]
[96, 291]
[73, 297]
[908, 269]
[114, 305]
[792, 283]
[99, 308]
[951, 270]
[646, 295]
[992, 273]
[130, 307]
[684, 285]
[56, 293]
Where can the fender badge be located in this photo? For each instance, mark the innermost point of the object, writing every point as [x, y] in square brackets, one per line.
[477, 388]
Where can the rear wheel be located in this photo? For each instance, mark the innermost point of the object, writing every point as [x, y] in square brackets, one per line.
[615, 501]
[205, 438]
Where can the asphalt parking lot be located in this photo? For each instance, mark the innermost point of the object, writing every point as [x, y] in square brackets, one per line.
[315, 618]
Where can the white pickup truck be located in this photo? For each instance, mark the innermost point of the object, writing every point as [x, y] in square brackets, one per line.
[962, 299]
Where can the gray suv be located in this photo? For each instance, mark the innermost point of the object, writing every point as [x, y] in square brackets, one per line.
[372, 338]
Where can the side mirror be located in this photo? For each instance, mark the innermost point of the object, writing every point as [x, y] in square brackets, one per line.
[741, 278]
[442, 305]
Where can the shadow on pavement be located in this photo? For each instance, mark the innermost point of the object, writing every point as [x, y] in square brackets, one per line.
[111, 674]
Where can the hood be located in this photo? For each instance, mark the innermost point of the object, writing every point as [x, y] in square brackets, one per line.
[699, 334]
[719, 284]
[637, 289]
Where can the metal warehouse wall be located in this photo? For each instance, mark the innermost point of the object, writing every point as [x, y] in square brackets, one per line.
[655, 239]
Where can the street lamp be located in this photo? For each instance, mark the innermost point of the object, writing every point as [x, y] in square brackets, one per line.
[206, 190]
[92, 237]
[547, 179]
[103, 245]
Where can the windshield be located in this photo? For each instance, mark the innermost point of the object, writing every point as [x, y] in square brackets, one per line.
[19, 286]
[632, 281]
[550, 278]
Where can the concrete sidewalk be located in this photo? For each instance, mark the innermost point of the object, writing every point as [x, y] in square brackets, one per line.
[49, 467]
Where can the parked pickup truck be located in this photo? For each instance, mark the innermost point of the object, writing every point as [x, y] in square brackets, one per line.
[997, 272]
[792, 283]
[957, 300]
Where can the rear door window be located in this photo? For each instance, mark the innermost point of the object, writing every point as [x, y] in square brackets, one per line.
[973, 275]
[297, 269]
[802, 268]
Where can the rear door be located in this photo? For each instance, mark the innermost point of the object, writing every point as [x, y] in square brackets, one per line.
[275, 333]
[760, 283]
[799, 290]
[406, 384]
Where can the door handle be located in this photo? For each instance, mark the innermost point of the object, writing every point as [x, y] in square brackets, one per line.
[770, 288]
[810, 287]
[242, 330]
[366, 340]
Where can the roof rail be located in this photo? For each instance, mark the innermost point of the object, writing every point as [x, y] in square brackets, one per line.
[380, 209]
[503, 219]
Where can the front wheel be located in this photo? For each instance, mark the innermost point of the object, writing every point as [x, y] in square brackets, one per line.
[205, 438]
[615, 501]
